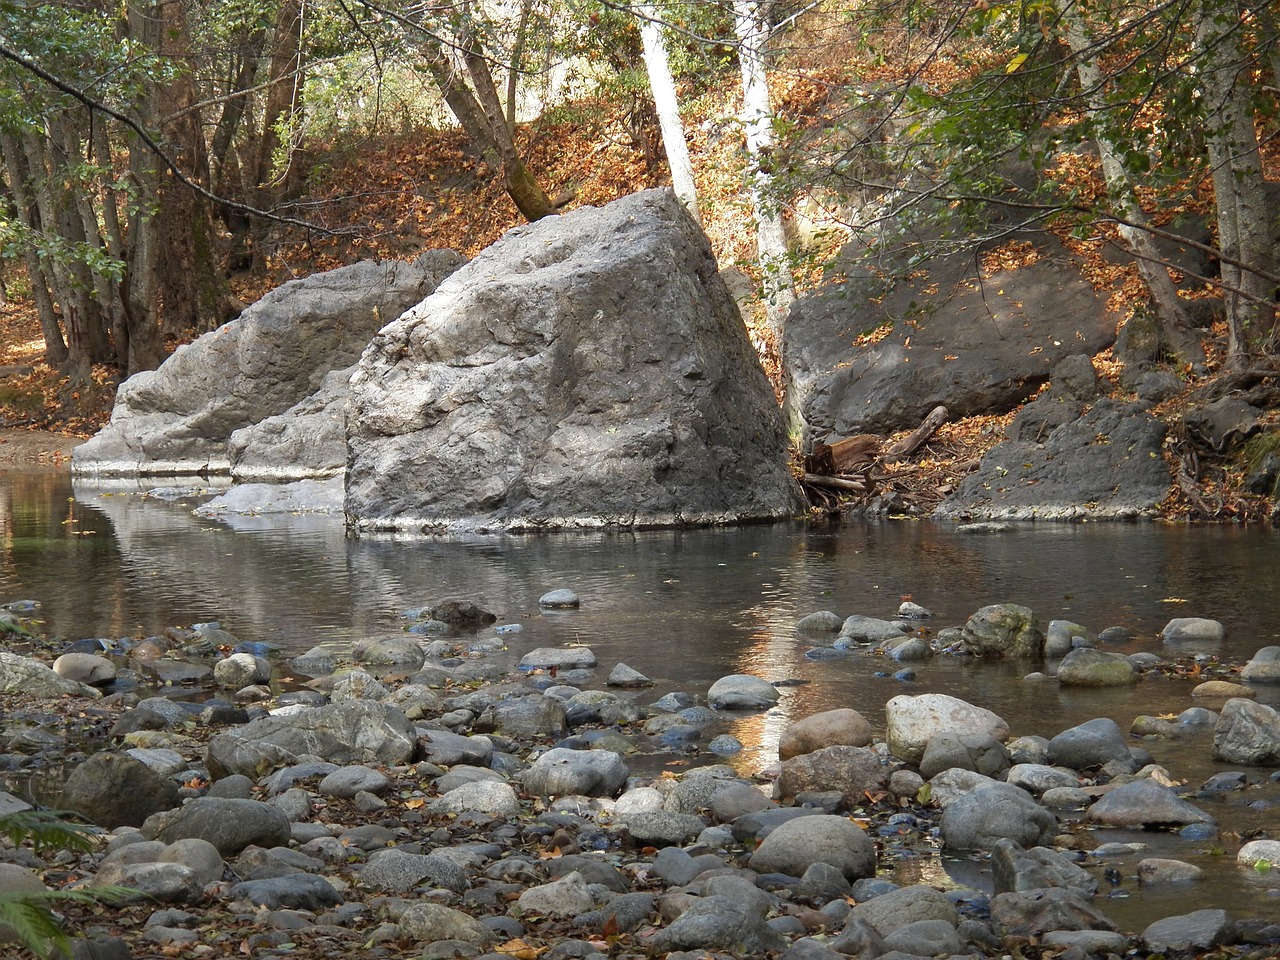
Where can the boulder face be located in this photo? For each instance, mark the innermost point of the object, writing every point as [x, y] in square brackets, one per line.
[963, 346]
[587, 370]
[178, 419]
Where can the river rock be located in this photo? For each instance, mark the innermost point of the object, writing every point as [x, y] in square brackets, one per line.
[1263, 666]
[1002, 630]
[481, 796]
[1063, 636]
[566, 897]
[860, 629]
[1197, 931]
[1033, 913]
[427, 922]
[797, 845]
[587, 370]
[821, 621]
[969, 751]
[1086, 667]
[1068, 475]
[719, 923]
[196, 854]
[1165, 870]
[151, 880]
[1037, 778]
[560, 599]
[345, 782]
[1089, 744]
[912, 721]
[589, 773]
[1221, 690]
[893, 910]
[627, 678]
[355, 731]
[404, 653]
[230, 825]
[742, 691]
[1247, 732]
[34, 678]
[1193, 628]
[85, 668]
[840, 727]
[179, 419]
[241, 670]
[850, 771]
[1145, 804]
[925, 938]
[1258, 850]
[398, 871]
[296, 891]
[115, 789]
[993, 812]
[559, 658]
[1015, 868]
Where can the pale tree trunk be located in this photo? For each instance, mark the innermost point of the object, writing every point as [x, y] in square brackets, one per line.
[667, 106]
[517, 60]
[752, 26]
[1176, 334]
[1244, 231]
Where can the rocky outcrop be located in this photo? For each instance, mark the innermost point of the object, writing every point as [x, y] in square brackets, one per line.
[178, 419]
[1106, 464]
[587, 370]
[973, 344]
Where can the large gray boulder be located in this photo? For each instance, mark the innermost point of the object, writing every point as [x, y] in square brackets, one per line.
[306, 442]
[178, 419]
[911, 722]
[1106, 464]
[1247, 732]
[587, 370]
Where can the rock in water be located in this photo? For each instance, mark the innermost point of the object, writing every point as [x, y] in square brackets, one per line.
[179, 419]
[587, 370]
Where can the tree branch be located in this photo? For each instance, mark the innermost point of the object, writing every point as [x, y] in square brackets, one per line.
[97, 106]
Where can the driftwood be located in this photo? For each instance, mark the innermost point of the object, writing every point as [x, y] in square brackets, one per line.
[836, 483]
[917, 438]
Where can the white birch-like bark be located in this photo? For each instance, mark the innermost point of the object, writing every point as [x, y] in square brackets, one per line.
[667, 106]
[757, 120]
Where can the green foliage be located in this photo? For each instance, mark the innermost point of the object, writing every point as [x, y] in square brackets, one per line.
[30, 916]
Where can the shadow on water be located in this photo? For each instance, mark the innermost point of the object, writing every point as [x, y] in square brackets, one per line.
[686, 607]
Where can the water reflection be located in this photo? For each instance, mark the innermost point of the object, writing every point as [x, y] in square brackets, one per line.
[683, 607]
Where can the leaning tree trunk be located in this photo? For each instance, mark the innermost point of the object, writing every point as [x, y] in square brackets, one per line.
[521, 185]
[1177, 337]
[667, 106]
[1244, 228]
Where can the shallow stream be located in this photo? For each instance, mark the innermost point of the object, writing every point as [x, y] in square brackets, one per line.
[685, 608]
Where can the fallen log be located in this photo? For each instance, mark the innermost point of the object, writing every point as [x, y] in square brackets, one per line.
[917, 438]
[835, 483]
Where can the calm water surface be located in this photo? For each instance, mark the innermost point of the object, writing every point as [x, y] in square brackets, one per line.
[688, 607]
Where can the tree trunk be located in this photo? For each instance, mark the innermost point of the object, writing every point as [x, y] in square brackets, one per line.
[282, 99]
[1244, 231]
[55, 348]
[752, 25]
[529, 197]
[667, 105]
[1174, 324]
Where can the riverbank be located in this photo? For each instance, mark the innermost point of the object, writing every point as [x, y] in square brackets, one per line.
[35, 448]
[402, 798]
